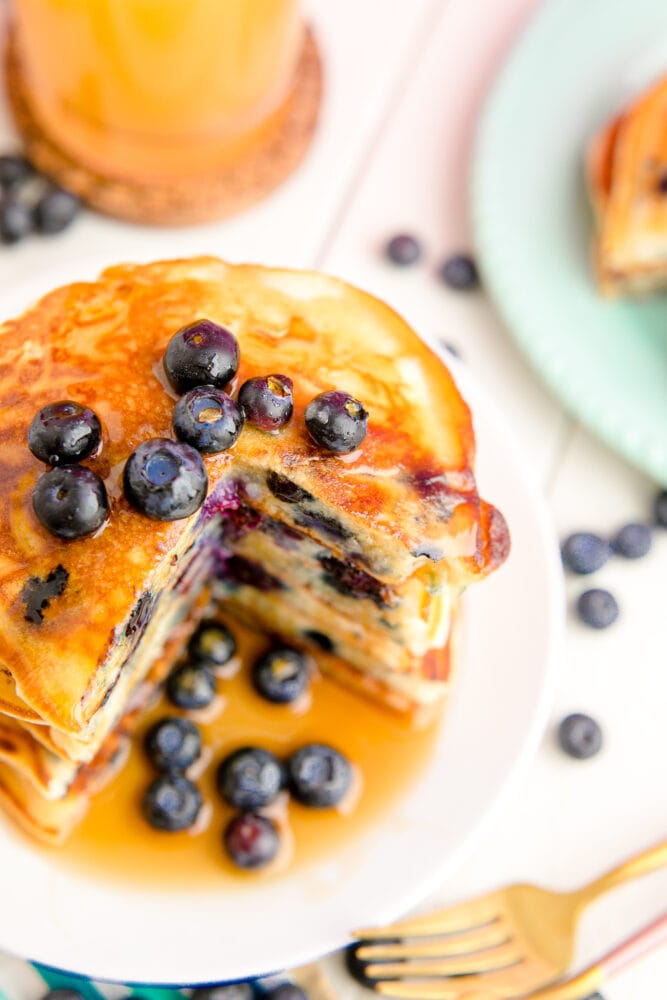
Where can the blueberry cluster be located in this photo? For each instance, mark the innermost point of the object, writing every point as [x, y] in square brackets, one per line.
[251, 779]
[166, 479]
[457, 271]
[584, 553]
[30, 202]
[69, 500]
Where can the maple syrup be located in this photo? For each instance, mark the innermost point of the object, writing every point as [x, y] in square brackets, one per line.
[386, 748]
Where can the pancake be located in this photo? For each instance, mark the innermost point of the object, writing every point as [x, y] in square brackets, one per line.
[626, 168]
[363, 554]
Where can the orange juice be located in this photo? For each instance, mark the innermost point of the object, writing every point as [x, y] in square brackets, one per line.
[135, 88]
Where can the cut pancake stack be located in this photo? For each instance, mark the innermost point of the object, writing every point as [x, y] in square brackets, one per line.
[359, 557]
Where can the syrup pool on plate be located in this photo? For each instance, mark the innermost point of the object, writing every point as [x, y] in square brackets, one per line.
[387, 749]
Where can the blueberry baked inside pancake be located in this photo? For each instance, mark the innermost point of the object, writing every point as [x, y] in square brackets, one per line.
[187, 432]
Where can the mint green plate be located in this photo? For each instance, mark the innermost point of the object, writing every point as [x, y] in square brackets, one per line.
[576, 64]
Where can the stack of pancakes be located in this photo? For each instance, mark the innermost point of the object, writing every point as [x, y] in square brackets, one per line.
[360, 558]
[626, 167]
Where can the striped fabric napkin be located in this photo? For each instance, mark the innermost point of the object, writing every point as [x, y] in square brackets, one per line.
[21, 980]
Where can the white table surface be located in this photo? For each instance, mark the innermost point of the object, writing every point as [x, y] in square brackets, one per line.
[404, 82]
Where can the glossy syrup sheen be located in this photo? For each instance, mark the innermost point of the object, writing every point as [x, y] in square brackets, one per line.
[387, 750]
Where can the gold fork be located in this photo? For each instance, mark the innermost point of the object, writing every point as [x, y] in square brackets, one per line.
[504, 944]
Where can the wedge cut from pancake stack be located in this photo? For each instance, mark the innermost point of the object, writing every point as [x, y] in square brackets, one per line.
[360, 557]
[626, 165]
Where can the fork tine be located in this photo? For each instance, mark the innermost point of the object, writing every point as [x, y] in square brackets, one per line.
[464, 989]
[452, 920]
[492, 960]
[489, 936]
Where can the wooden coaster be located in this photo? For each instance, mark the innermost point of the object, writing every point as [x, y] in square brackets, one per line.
[197, 198]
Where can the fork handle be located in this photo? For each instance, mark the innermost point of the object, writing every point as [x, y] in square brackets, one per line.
[640, 944]
[641, 864]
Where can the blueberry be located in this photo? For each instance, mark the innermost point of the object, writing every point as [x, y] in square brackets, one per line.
[319, 639]
[201, 353]
[460, 272]
[13, 170]
[633, 541]
[250, 778]
[55, 211]
[165, 479]
[172, 803]
[251, 840]
[267, 401]
[580, 736]
[597, 608]
[583, 552]
[71, 501]
[15, 220]
[287, 991]
[404, 249]
[281, 675]
[208, 419]
[63, 433]
[318, 775]
[225, 991]
[336, 421]
[191, 686]
[173, 744]
[660, 509]
[284, 489]
[212, 645]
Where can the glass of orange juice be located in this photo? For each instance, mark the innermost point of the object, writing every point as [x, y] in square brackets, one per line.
[164, 110]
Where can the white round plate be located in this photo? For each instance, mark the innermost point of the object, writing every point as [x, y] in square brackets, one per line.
[494, 719]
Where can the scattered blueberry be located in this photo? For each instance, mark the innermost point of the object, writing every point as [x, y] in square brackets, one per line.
[15, 220]
[71, 501]
[460, 272]
[173, 744]
[165, 479]
[212, 645]
[633, 541]
[55, 211]
[318, 775]
[660, 509]
[580, 736]
[63, 433]
[201, 353]
[14, 169]
[336, 421]
[597, 608]
[250, 778]
[284, 489]
[267, 401]
[252, 841]
[287, 991]
[584, 553]
[226, 991]
[172, 803]
[404, 250]
[281, 675]
[191, 686]
[208, 419]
